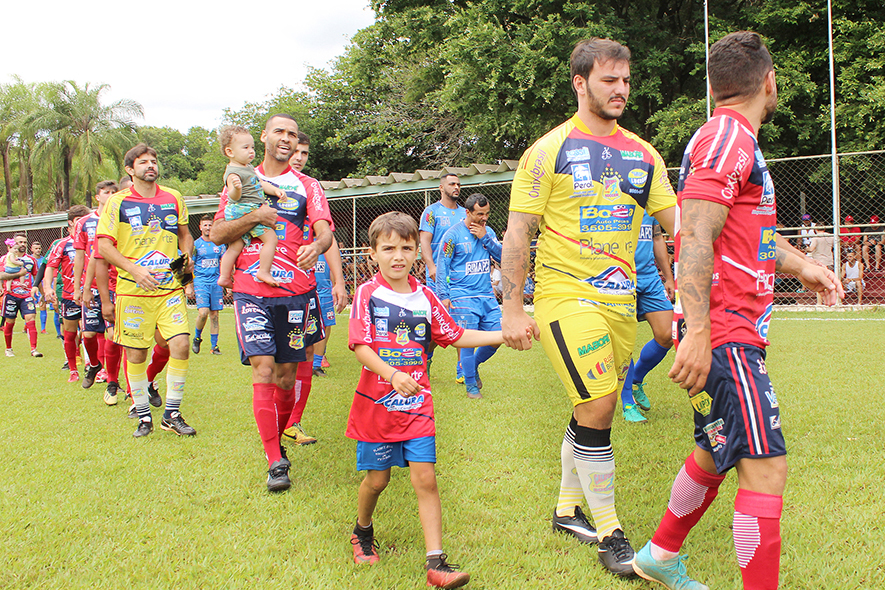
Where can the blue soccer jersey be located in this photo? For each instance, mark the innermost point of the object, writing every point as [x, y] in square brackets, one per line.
[323, 276]
[207, 260]
[645, 254]
[438, 219]
[462, 263]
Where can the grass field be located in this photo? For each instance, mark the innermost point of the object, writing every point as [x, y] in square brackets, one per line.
[84, 505]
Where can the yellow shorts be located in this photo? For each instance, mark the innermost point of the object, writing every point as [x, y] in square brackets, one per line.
[137, 317]
[589, 344]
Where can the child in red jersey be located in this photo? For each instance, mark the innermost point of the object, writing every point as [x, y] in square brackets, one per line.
[393, 321]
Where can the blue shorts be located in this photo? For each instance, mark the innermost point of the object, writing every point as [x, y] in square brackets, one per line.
[281, 327]
[650, 294]
[92, 320]
[327, 308]
[69, 310]
[737, 415]
[13, 305]
[209, 295]
[380, 456]
[476, 313]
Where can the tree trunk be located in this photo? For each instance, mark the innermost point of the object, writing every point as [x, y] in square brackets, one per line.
[4, 153]
[68, 160]
[29, 187]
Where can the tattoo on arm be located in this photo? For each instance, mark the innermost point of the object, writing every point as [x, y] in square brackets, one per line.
[702, 222]
[515, 258]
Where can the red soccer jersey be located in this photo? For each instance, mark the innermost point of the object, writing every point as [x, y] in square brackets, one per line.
[399, 327]
[20, 287]
[304, 205]
[723, 164]
[84, 239]
[61, 258]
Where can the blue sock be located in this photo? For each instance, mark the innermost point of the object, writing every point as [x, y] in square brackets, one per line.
[198, 333]
[57, 325]
[43, 316]
[627, 391]
[214, 339]
[484, 353]
[652, 354]
[317, 361]
[468, 365]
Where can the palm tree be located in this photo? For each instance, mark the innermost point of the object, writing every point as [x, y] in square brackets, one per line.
[72, 123]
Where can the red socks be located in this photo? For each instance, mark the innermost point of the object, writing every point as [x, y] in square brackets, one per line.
[757, 538]
[266, 418]
[91, 346]
[71, 349]
[284, 399]
[112, 356]
[32, 333]
[693, 491]
[303, 377]
[159, 358]
[7, 332]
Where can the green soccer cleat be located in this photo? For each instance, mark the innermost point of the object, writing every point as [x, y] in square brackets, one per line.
[632, 414]
[640, 398]
[671, 573]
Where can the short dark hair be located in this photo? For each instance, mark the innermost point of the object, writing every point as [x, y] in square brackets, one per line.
[207, 217]
[137, 152]
[475, 200]
[589, 51]
[738, 65]
[442, 177]
[394, 222]
[226, 134]
[303, 138]
[125, 179]
[82, 210]
[105, 184]
[20, 234]
[280, 115]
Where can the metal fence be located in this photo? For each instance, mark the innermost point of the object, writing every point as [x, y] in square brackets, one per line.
[803, 185]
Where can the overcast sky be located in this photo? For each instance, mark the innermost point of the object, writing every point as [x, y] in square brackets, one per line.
[184, 61]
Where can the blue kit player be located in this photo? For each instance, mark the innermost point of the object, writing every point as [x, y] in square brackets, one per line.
[208, 293]
[652, 305]
[464, 283]
[436, 220]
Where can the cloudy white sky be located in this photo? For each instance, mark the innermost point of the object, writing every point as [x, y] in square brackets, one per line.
[184, 61]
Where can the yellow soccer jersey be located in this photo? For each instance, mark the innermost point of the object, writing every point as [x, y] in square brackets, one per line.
[591, 192]
[145, 230]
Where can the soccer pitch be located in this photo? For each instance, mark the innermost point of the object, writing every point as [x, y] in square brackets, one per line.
[84, 505]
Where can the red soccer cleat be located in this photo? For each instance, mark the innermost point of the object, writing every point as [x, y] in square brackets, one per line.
[75, 376]
[364, 549]
[445, 575]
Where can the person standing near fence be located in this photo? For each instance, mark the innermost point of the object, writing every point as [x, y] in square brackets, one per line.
[727, 254]
[19, 291]
[208, 294]
[585, 185]
[40, 300]
[436, 220]
[278, 326]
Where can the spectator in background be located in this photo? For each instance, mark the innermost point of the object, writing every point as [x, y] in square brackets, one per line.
[496, 281]
[852, 275]
[821, 250]
[849, 234]
[39, 300]
[806, 230]
[873, 240]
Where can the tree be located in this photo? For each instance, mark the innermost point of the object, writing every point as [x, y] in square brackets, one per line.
[77, 125]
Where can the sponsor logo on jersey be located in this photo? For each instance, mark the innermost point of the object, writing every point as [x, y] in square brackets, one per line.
[582, 177]
[279, 274]
[712, 430]
[645, 233]
[477, 267]
[209, 263]
[382, 312]
[311, 326]
[174, 301]
[177, 318]
[702, 403]
[600, 218]
[593, 346]
[401, 357]
[402, 334]
[420, 313]
[631, 155]
[761, 364]
[767, 199]
[135, 223]
[579, 155]
[733, 177]
[251, 308]
[763, 322]
[420, 330]
[134, 310]
[255, 324]
[602, 367]
[638, 177]
[380, 326]
[611, 188]
[772, 398]
[154, 225]
[296, 316]
[394, 402]
[133, 323]
[288, 203]
[171, 219]
[449, 248]
[606, 153]
[132, 211]
[612, 281]
[154, 260]
[767, 245]
[774, 422]
[260, 337]
[166, 206]
[429, 217]
[321, 266]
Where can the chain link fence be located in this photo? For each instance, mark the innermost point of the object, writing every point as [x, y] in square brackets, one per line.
[805, 203]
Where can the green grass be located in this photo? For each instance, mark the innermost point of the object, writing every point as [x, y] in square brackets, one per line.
[84, 505]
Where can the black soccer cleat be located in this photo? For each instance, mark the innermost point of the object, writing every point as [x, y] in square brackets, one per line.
[89, 375]
[154, 394]
[577, 526]
[145, 427]
[216, 351]
[278, 476]
[616, 554]
[177, 425]
[196, 345]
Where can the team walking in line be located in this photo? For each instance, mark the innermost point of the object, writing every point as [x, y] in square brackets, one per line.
[593, 196]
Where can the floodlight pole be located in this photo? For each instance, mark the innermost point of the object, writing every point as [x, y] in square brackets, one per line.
[837, 214]
[707, 53]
